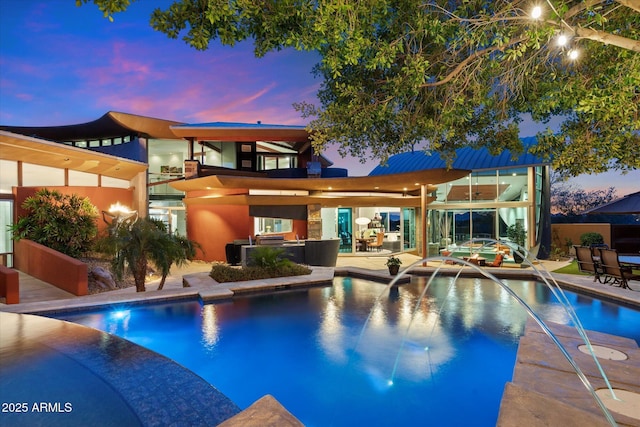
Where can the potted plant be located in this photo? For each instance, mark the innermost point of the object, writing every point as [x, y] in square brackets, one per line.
[517, 234]
[393, 264]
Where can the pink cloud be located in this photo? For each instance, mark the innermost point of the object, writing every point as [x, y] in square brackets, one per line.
[24, 96]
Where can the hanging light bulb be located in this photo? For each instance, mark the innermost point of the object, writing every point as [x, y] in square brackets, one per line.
[536, 12]
[562, 40]
[573, 54]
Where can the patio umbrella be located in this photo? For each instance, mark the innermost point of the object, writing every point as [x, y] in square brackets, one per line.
[629, 204]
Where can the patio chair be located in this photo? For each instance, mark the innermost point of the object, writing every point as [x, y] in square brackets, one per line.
[497, 262]
[378, 242]
[619, 275]
[587, 264]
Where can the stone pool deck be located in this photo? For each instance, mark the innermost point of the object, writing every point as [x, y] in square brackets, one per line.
[543, 390]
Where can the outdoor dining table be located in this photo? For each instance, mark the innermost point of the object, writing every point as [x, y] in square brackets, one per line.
[363, 243]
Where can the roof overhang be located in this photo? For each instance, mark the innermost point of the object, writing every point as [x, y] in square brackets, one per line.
[53, 154]
[325, 201]
[403, 183]
[242, 133]
[110, 125]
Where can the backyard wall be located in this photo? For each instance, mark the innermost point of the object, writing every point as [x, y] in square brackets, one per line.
[561, 232]
[51, 266]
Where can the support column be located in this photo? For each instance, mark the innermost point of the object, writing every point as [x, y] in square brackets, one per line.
[423, 221]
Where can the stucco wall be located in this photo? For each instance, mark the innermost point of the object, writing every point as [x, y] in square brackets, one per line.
[9, 285]
[560, 232]
[51, 266]
[215, 226]
[212, 227]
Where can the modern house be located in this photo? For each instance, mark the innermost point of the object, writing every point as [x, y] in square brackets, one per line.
[499, 192]
[221, 182]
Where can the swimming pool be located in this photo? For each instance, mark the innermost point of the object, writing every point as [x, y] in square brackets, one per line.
[308, 348]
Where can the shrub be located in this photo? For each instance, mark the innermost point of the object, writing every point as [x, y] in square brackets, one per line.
[268, 257]
[591, 238]
[65, 223]
[517, 233]
[222, 273]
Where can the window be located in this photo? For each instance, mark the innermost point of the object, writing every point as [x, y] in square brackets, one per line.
[273, 225]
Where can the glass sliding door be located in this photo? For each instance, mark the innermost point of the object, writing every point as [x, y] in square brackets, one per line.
[345, 229]
[484, 224]
[409, 228]
[6, 243]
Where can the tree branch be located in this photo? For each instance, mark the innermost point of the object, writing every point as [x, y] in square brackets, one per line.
[469, 59]
[608, 38]
[631, 4]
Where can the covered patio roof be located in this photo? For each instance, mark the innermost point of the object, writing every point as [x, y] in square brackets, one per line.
[324, 200]
[402, 183]
[45, 153]
[402, 189]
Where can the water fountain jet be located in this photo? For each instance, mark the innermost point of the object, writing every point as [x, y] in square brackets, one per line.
[556, 291]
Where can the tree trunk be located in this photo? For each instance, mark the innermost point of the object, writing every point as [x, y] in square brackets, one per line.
[140, 273]
[162, 280]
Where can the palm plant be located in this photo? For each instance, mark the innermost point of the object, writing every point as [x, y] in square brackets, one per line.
[134, 245]
[269, 257]
[173, 249]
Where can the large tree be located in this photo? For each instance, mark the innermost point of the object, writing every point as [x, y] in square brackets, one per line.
[439, 75]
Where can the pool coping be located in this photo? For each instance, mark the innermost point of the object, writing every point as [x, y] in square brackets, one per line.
[545, 390]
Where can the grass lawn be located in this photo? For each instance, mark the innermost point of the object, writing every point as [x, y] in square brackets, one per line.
[570, 269]
[573, 269]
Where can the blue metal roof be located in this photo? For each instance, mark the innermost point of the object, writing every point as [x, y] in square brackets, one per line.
[466, 158]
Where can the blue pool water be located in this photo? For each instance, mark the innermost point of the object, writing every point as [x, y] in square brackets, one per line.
[309, 350]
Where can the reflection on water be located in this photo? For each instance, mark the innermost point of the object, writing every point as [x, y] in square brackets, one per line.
[300, 346]
[210, 327]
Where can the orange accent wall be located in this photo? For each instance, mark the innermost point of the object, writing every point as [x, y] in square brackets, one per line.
[212, 227]
[51, 266]
[9, 285]
[101, 197]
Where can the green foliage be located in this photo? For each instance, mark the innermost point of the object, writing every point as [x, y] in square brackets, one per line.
[393, 260]
[591, 238]
[134, 245]
[401, 74]
[223, 273]
[556, 252]
[65, 223]
[517, 233]
[268, 257]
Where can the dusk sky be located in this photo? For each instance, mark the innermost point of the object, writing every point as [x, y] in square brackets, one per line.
[61, 64]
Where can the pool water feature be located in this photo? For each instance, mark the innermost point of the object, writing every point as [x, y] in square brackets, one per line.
[300, 346]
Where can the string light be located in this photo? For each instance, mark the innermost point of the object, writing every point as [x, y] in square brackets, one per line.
[536, 12]
[562, 40]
